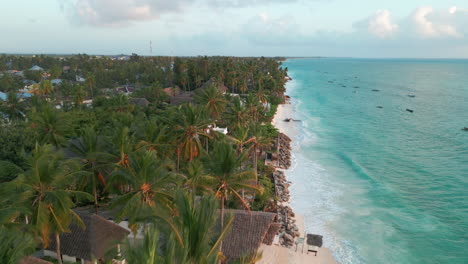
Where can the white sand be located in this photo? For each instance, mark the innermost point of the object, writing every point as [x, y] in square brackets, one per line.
[276, 254]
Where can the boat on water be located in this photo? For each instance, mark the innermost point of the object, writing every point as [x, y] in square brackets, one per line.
[375, 90]
[465, 128]
[409, 110]
[411, 95]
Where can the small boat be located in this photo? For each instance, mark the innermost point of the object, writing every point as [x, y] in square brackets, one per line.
[287, 119]
[411, 95]
[375, 90]
[409, 110]
[379, 106]
[356, 87]
[465, 128]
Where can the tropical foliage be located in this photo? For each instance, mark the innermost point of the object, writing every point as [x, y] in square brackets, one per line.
[163, 168]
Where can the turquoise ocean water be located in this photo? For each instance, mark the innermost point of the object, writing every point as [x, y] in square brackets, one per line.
[383, 185]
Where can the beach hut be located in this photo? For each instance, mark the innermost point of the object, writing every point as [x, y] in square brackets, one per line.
[33, 260]
[248, 231]
[89, 244]
[139, 101]
[212, 81]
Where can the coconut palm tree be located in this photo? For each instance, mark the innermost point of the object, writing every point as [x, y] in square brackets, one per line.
[237, 113]
[195, 219]
[44, 190]
[225, 165]
[90, 83]
[49, 125]
[142, 186]
[46, 88]
[123, 145]
[212, 99]
[259, 140]
[146, 252]
[13, 107]
[15, 245]
[154, 136]
[241, 137]
[196, 180]
[254, 107]
[89, 150]
[190, 125]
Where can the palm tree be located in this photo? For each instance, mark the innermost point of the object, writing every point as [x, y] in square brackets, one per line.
[44, 190]
[89, 149]
[13, 107]
[190, 124]
[143, 186]
[259, 140]
[253, 106]
[146, 252]
[154, 136]
[237, 113]
[79, 93]
[212, 99]
[90, 83]
[240, 137]
[226, 166]
[196, 180]
[123, 145]
[15, 245]
[195, 220]
[50, 127]
[46, 88]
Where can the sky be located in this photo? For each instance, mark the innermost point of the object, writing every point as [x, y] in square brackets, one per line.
[330, 28]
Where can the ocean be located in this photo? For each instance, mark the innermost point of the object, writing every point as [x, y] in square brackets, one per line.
[382, 184]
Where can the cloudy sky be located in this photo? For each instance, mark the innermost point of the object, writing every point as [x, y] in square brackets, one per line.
[350, 28]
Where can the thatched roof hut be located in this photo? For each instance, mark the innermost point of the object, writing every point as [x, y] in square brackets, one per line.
[212, 81]
[139, 101]
[270, 235]
[185, 97]
[94, 241]
[172, 91]
[249, 229]
[33, 260]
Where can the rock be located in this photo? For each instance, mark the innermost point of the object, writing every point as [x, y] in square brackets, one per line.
[288, 237]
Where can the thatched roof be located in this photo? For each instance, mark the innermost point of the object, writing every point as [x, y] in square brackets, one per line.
[95, 240]
[212, 81]
[172, 91]
[248, 231]
[314, 240]
[185, 97]
[33, 260]
[139, 101]
[270, 235]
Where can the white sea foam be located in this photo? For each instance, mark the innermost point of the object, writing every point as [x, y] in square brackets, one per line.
[314, 193]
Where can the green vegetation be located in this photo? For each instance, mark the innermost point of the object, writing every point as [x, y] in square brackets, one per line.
[108, 137]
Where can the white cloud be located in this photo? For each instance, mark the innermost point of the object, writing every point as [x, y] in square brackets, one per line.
[381, 25]
[429, 23]
[121, 12]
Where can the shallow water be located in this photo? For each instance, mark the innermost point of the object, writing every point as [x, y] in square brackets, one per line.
[383, 185]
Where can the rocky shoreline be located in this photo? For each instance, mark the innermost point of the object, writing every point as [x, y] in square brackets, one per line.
[284, 151]
[285, 215]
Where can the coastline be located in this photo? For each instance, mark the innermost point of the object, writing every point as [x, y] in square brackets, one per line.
[277, 253]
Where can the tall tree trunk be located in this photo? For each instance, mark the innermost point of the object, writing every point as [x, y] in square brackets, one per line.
[57, 242]
[178, 159]
[222, 222]
[95, 198]
[255, 163]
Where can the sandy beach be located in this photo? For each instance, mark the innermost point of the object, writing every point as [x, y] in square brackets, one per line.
[276, 254]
